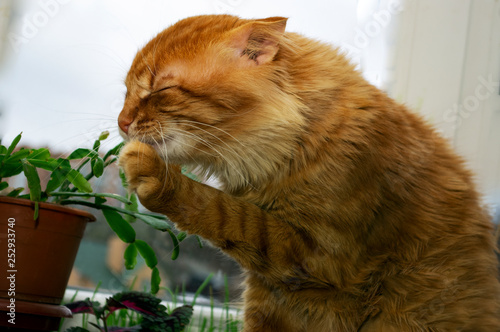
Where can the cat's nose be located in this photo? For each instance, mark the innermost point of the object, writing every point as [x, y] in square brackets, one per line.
[124, 121]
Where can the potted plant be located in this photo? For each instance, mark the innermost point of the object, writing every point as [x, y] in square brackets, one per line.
[40, 234]
[153, 315]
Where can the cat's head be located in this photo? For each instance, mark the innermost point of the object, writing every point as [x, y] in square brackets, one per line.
[209, 87]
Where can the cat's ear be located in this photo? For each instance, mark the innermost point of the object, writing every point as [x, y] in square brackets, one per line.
[257, 42]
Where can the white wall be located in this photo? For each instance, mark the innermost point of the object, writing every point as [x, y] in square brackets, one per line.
[477, 134]
[446, 65]
[5, 7]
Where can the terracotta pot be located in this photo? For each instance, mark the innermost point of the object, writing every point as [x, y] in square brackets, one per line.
[45, 249]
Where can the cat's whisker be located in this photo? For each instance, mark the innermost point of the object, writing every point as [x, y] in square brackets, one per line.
[218, 153]
[95, 48]
[213, 127]
[204, 141]
[82, 160]
[231, 149]
[243, 113]
[104, 116]
[207, 143]
[163, 149]
[154, 52]
[181, 133]
[141, 139]
[228, 161]
[86, 135]
[99, 121]
[146, 63]
[166, 166]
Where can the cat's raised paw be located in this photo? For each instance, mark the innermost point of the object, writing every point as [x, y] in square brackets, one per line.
[145, 171]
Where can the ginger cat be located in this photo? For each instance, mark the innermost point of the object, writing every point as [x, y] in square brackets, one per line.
[347, 211]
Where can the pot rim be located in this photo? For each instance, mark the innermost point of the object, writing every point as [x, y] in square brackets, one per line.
[49, 206]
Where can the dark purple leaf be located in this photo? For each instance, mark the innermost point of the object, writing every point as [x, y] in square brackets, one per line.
[81, 307]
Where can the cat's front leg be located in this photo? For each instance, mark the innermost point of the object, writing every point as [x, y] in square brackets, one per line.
[149, 176]
[255, 238]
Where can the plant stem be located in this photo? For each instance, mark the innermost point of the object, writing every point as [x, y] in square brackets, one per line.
[109, 162]
[83, 164]
[117, 209]
[96, 206]
[105, 324]
[92, 195]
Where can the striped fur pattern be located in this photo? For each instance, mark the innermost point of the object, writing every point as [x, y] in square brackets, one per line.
[346, 211]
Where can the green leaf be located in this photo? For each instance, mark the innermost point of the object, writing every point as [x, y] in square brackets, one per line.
[134, 203]
[15, 192]
[16, 156]
[200, 289]
[121, 227]
[3, 149]
[142, 303]
[110, 161]
[49, 165]
[33, 181]
[40, 154]
[99, 200]
[76, 329]
[133, 207]
[57, 178]
[115, 196]
[157, 223]
[35, 216]
[8, 170]
[3, 185]
[82, 153]
[103, 135]
[155, 280]
[130, 256]
[77, 179]
[147, 253]
[97, 166]
[123, 178]
[97, 145]
[190, 175]
[176, 322]
[114, 151]
[200, 242]
[181, 236]
[182, 315]
[64, 163]
[175, 242]
[13, 144]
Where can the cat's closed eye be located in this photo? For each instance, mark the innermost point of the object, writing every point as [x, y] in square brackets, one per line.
[164, 89]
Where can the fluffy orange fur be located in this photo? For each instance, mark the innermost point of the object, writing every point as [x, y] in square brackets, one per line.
[347, 211]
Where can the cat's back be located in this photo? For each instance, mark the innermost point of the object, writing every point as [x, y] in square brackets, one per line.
[377, 188]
